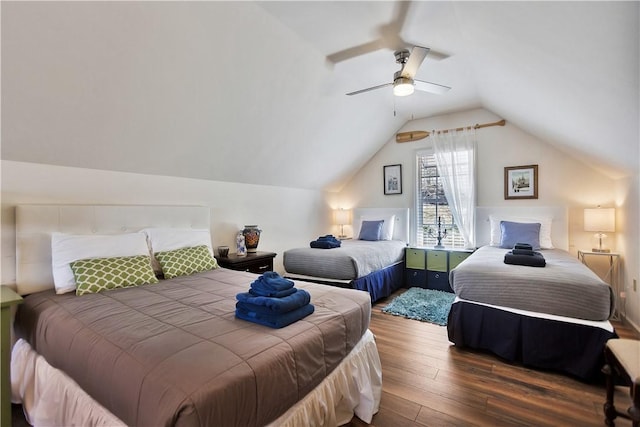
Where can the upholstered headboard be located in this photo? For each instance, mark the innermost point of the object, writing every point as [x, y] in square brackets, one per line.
[35, 223]
[400, 228]
[559, 223]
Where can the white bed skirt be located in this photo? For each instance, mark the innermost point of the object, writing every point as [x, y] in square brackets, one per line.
[50, 398]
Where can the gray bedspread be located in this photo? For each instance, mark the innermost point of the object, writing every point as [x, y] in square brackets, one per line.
[354, 259]
[173, 353]
[565, 287]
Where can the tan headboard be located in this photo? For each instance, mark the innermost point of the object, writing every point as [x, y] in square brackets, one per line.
[35, 223]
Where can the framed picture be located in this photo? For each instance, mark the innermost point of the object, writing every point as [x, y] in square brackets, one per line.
[521, 182]
[393, 179]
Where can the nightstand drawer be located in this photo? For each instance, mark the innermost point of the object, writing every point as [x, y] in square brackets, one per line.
[437, 261]
[414, 258]
[415, 278]
[438, 280]
[258, 262]
[260, 268]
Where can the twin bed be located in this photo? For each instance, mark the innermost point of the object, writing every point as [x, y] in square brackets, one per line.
[173, 353]
[553, 318]
[375, 266]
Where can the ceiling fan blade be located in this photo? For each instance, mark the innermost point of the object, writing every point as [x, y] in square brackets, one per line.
[389, 36]
[437, 56]
[430, 87]
[401, 11]
[370, 88]
[354, 51]
[418, 54]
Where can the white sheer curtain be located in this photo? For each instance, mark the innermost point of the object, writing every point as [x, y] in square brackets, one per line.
[455, 154]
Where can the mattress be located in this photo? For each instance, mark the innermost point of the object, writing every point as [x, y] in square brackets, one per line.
[564, 287]
[354, 259]
[145, 353]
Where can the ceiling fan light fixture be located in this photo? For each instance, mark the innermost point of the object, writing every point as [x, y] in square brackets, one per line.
[403, 86]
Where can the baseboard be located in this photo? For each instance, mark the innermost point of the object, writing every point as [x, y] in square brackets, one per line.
[635, 327]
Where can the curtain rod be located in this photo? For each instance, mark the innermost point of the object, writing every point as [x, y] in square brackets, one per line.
[421, 134]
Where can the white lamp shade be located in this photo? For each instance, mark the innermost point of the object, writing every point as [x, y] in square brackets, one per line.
[341, 216]
[600, 220]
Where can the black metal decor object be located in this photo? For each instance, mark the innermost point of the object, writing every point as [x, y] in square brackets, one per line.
[441, 235]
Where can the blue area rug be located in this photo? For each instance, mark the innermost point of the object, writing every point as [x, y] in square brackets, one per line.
[426, 305]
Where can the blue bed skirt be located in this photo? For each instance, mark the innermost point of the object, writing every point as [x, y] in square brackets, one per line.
[573, 349]
[380, 284]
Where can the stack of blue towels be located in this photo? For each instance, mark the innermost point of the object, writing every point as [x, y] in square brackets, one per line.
[273, 301]
[523, 254]
[326, 242]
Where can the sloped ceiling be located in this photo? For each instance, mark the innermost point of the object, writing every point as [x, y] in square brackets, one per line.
[243, 91]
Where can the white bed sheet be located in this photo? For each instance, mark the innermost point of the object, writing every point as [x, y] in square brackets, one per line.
[49, 397]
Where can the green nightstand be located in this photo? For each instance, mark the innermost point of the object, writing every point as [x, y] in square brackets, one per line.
[429, 268]
[8, 298]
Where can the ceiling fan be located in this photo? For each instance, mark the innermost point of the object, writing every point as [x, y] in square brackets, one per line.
[389, 38]
[403, 80]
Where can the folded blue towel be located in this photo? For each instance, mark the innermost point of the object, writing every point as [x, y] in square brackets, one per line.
[326, 242]
[524, 252]
[275, 320]
[271, 282]
[317, 244]
[274, 294]
[523, 246]
[275, 305]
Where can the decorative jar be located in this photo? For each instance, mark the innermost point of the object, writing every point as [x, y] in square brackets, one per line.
[251, 235]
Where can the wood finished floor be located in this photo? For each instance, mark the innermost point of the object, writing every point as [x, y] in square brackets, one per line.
[429, 382]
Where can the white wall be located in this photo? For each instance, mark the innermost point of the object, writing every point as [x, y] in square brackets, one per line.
[563, 180]
[288, 217]
[628, 236]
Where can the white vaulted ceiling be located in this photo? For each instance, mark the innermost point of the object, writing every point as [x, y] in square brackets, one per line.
[243, 91]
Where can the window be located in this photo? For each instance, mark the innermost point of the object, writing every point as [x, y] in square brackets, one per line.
[432, 204]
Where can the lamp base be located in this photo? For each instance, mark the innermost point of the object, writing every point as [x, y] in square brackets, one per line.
[606, 251]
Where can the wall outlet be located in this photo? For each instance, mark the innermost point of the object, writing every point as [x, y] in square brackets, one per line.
[623, 294]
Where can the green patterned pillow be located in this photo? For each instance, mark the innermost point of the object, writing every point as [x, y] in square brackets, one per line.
[186, 261]
[101, 274]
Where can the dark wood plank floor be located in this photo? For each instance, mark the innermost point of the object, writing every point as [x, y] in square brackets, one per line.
[429, 382]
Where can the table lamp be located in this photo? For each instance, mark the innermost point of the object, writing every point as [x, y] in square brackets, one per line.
[341, 217]
[600, 220]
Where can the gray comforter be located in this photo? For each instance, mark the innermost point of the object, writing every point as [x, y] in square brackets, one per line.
[173, 353]
[354, 259]
[565, 287]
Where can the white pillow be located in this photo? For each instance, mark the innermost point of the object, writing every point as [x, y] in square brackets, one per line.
[545, 228]
[168, 239]
[66, 248]
[387, 225]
